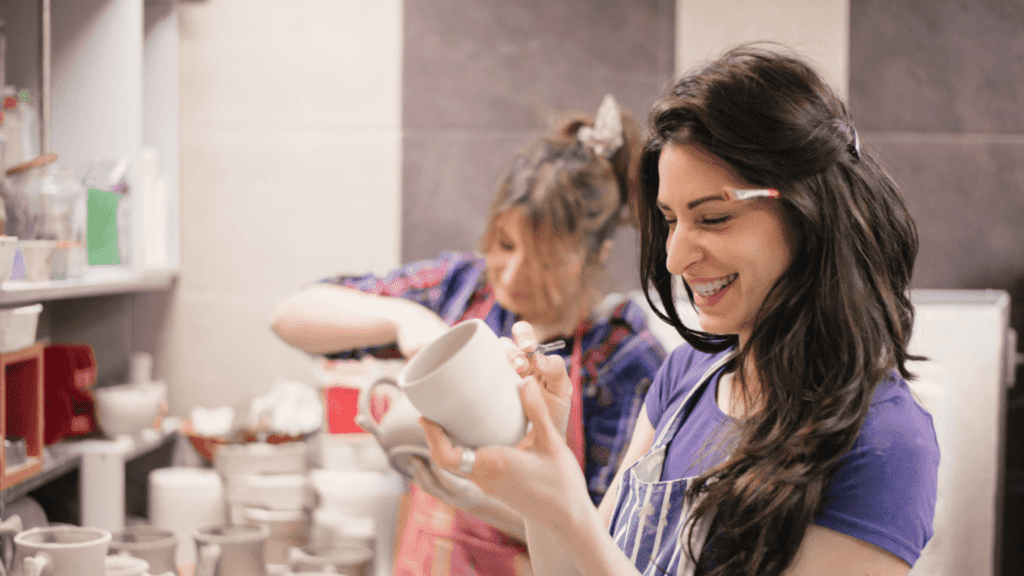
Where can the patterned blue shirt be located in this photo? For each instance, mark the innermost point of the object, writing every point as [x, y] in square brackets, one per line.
[620, 355]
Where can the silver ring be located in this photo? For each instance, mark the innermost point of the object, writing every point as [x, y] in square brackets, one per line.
[467, 460]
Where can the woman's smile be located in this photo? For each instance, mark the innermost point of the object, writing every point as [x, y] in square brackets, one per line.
[708, 288]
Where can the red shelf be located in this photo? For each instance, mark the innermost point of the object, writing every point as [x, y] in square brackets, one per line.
[21, 410]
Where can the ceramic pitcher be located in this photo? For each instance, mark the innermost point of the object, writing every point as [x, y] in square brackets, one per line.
[399, 425]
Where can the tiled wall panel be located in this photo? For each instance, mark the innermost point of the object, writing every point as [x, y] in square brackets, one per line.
[938, 65]
[291, 163]
[481, 78]
[937, 87]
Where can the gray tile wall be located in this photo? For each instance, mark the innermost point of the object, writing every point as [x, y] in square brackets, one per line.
[937, 88]
[482, 77]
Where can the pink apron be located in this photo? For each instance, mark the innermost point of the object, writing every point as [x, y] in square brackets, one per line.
[441, 540]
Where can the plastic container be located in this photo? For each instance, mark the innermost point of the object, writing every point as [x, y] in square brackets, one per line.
[18, 327]
[39, 258]
[8, 248]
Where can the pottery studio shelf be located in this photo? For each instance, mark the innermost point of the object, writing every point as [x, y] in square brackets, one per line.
[14, 292]
[62, 458]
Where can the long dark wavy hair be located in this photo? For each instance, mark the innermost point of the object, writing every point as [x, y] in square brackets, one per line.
[835, 323]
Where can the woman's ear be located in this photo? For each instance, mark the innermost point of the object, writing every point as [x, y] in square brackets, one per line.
[604, 252]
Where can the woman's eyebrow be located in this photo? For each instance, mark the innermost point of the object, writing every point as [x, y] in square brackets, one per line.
[694, 203]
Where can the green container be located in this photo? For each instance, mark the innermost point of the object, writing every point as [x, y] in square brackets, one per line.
[101, 227]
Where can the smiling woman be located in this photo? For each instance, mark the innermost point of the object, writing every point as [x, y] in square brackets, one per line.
[782, 438]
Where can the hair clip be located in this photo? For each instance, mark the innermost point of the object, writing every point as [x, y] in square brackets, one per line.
[605, 137]
[751, 193]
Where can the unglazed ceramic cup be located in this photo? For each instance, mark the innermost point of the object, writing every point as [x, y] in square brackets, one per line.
[464, 382]
[154, 544]
[229, 550]
[61, 551]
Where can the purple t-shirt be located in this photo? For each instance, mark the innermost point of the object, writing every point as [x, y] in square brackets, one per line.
[883, 491]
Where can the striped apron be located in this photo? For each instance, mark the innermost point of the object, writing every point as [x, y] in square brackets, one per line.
[650, 514]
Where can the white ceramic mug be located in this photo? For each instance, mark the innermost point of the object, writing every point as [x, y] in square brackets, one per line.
[464, 382]
[61, 551]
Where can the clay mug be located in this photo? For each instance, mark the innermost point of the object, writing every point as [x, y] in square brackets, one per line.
[231, 550]
[464, 382]
[155, 545]
[61, 551]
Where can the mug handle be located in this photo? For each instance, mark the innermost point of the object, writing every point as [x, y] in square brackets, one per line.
[364, 417]
[294, 556]
[34, 565]
[208, 557]
[12, 525]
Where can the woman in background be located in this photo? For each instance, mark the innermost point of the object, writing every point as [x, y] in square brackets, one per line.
[782, 438]
[545, 243]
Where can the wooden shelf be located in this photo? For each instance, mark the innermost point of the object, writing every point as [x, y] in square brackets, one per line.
[95, 284]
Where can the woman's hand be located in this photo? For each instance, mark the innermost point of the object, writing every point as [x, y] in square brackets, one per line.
[465, 495]
[549, 371]
[415, 326]
[539, 477]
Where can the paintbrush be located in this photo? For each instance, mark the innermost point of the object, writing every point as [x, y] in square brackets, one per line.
[545, 348]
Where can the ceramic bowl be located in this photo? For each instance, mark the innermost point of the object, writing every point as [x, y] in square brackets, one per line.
[128, 408]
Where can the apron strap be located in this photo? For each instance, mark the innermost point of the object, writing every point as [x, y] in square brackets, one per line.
[574, 435]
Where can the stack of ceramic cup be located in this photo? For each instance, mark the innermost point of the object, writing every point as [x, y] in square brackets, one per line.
[182, 499]
[268, 484]
[358, 491]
